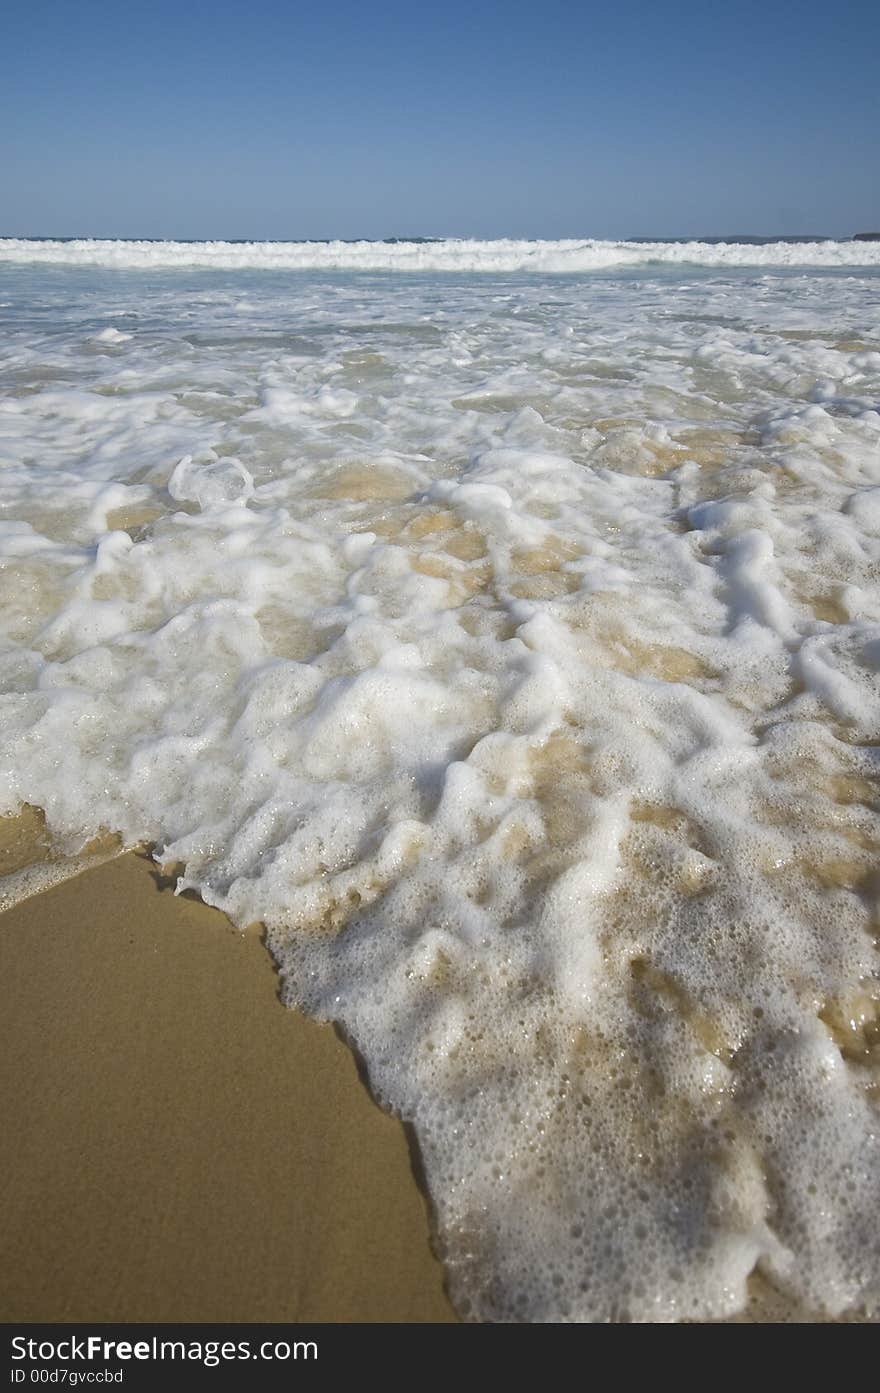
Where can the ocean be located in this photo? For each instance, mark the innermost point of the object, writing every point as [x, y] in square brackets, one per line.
[499, 624]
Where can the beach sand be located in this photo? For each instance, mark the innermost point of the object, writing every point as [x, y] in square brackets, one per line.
[177, 1145]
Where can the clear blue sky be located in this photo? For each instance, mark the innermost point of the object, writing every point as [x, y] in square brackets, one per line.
[350, 119]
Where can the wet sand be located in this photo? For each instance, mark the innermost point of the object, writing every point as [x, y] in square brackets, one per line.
[177, 1145]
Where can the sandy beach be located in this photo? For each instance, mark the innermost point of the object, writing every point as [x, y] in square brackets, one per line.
[177, 1144]
[489, 630]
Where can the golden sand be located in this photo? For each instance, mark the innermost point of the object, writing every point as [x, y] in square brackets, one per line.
[177, 1145]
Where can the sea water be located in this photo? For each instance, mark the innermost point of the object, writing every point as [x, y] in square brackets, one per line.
[499, 624]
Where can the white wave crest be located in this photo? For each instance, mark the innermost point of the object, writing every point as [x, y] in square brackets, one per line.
[453, 254]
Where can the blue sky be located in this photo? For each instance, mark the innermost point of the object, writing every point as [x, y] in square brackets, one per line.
[550, 119]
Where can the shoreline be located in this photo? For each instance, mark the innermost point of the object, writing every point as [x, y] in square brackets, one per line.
[180, 1146]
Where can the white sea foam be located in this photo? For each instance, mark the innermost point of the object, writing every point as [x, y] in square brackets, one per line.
[511, 651]
[450, 254]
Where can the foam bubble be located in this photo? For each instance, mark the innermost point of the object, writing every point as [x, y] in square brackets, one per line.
[212, 483]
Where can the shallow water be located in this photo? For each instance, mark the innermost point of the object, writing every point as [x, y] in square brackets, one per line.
[508, 643]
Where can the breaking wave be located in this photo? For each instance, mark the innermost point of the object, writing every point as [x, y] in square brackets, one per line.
[449, 254]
